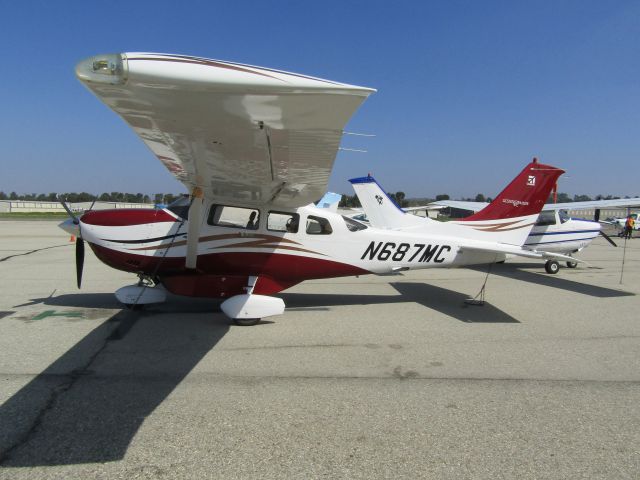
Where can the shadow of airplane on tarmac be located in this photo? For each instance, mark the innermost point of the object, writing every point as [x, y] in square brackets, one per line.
[445, 301]
[520, 271]
[80, 300]
[90, 413]
[87, 406]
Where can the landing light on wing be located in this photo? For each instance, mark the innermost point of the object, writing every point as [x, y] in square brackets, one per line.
[107, 68]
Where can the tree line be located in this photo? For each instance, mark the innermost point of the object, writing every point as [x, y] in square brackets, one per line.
[74, 197]
[351, 201]
[347, 201]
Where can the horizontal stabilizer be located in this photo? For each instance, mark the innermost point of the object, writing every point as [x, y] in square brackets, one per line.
[522, 252]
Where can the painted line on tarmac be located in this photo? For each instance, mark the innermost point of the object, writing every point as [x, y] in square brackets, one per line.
[32, 251]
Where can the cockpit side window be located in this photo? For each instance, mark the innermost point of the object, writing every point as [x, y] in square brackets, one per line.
[318, 226]
[546, 218]
[234, 217]
[283, 222]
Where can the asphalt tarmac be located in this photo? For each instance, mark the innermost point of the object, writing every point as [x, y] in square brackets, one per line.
[369, 377]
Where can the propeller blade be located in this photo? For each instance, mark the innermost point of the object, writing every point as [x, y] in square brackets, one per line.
[608, 238]
[79, 259]
[69, 212]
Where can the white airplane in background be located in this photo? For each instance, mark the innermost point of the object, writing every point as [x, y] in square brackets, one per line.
[553, 232]
[620, 223]
[556, 231]
[255, 147]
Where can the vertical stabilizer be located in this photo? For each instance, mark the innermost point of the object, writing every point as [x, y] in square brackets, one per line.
[525, 195]
[380, 209]
[511, 216]
[330, 201]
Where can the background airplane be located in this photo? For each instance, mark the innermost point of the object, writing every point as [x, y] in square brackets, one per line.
[556, 231]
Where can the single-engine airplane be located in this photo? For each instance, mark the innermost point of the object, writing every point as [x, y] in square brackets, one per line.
[556, 231]
[255, 147]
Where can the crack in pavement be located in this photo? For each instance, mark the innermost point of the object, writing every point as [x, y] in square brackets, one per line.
[69, 380]
[4, 259]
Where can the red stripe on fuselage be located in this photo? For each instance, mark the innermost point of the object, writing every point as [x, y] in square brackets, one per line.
[288, 269]
[126, 217]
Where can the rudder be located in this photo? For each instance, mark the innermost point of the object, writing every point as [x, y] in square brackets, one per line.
[525, 195]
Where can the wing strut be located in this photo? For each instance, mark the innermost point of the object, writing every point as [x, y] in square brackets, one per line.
[193, 232]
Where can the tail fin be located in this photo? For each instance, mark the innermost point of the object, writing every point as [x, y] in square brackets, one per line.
[330, 201]
[380, 209]
[511, 216]
[525, 195]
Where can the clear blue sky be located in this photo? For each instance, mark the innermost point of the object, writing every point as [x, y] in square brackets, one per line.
[468, 91]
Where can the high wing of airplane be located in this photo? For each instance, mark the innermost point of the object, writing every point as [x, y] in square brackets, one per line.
[588, 205]
[598, 205]
[255, 147]
[461, 204]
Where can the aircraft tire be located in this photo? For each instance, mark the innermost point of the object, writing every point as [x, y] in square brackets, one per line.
[552, 267]
[246, 322]
[572, 264]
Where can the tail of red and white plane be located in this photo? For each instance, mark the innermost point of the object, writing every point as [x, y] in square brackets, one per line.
[525, 195]
[511, 216]
[507, 220]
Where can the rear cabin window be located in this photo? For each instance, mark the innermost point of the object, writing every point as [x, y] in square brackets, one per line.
[546, 218]
[353, 225]
[318, 226]
[283, 222]
[234, 217]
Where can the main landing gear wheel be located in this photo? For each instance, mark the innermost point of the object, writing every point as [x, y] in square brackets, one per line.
[552, 266]
[572, 264]
[246, 322]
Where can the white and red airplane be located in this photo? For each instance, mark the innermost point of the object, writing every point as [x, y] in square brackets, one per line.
[553, 232]
[556, 231]
[255, 147]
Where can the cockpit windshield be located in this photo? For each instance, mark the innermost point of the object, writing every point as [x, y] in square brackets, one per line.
[180, 207]
[564, 216]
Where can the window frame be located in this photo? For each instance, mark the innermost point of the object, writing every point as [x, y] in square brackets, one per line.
[551, 214]
[290, 215]
[322, 221]
[216, 205]
[357, 226]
